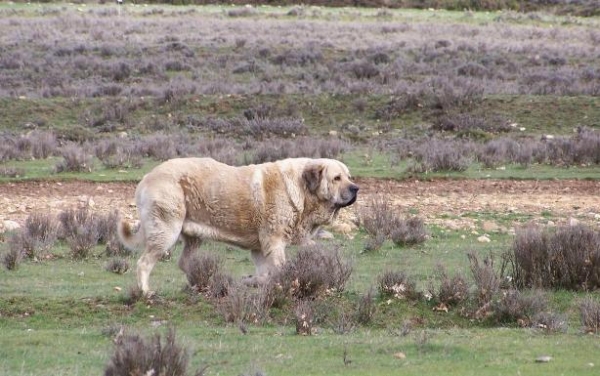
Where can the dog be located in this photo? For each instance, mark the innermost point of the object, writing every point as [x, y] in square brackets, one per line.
[262, 208]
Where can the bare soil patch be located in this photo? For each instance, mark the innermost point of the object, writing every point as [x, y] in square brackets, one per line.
[450, 203]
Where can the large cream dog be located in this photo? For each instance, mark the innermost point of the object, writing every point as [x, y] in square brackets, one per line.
[262, 208]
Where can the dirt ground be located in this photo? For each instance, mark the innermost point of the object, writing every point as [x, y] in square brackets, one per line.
[443, 202]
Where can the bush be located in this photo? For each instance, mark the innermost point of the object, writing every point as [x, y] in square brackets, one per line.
[12, 258]
[378, 217]
[117, 265]
[304, 317]
[313, 271]
[568, 258]
[487, 282]
[516, 307]
[442, 155]
[135, 355]
[200, 270]
[75, 159]
[452, 290]
[38, 235]
[80, 230]
[409, 232]
[243, 305]
[381, 221]
[397, 284]
[366, 308]
[589, 311]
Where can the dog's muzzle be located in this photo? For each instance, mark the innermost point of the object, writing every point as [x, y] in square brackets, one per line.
[353, 193]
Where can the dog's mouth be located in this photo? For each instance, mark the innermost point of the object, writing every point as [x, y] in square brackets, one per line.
[347, 203]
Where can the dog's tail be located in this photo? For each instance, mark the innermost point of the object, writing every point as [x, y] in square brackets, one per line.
[132, 237]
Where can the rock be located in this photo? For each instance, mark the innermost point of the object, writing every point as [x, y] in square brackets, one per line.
[333, 133]
[483, 239]
[324, 234]
[400, 355]
[573, 221]
[543, 359]
[10, 225]
[489, 226]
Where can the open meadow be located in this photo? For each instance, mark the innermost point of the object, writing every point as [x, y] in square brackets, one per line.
[474, 246]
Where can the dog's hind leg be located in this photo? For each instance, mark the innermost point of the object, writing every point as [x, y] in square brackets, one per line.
[160, 237]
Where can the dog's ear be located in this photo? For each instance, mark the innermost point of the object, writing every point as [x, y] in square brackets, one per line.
[313, 172]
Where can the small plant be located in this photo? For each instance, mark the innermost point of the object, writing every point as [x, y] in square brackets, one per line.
[12, 258]
[366, 308]
[409, 232]
[117, 265]
[304, 317]
[589, 311]
[550, 322]
[200, 269]
[487, 282]
[133, 295]
[381, 221]
[442, 155]
[134, 355]
[242, 305]
[516, 307]
[75, 159]
[452, 290]
[37, 236]
[567, 258]
[313, 271]
[80, 230]
[106, 224]
[11, 172]
[397, 284]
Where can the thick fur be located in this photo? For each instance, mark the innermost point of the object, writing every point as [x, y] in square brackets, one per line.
[262, 208]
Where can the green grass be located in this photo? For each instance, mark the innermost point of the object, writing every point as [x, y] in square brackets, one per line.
[363, 163]
[53, 315]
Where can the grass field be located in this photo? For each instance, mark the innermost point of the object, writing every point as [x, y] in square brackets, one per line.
[102, 93]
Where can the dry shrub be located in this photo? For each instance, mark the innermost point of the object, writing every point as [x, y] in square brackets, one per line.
[436, 155]
[200, 269]
[11, 259]
[43, 144]
[37, 236]
[75, 159]
[567, 258]
[135, 355]
[11, 172]
[313, 271]
[304, 317]
[133, 295]
[114, 247]
[397, 284]
[409, 232]
[452, 291]
[379, 217]
[517, 307]
[487, 281]
[117, 266]
[589, 311]
[81, 231]
[381, 221]
[243, 304]
[550, 322]
[366, 308]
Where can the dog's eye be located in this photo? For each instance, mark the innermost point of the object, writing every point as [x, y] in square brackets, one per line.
[337, 178]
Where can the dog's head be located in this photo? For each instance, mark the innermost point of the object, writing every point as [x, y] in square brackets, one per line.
[329, 180]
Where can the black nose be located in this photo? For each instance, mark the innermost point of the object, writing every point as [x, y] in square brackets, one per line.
[353, 188]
